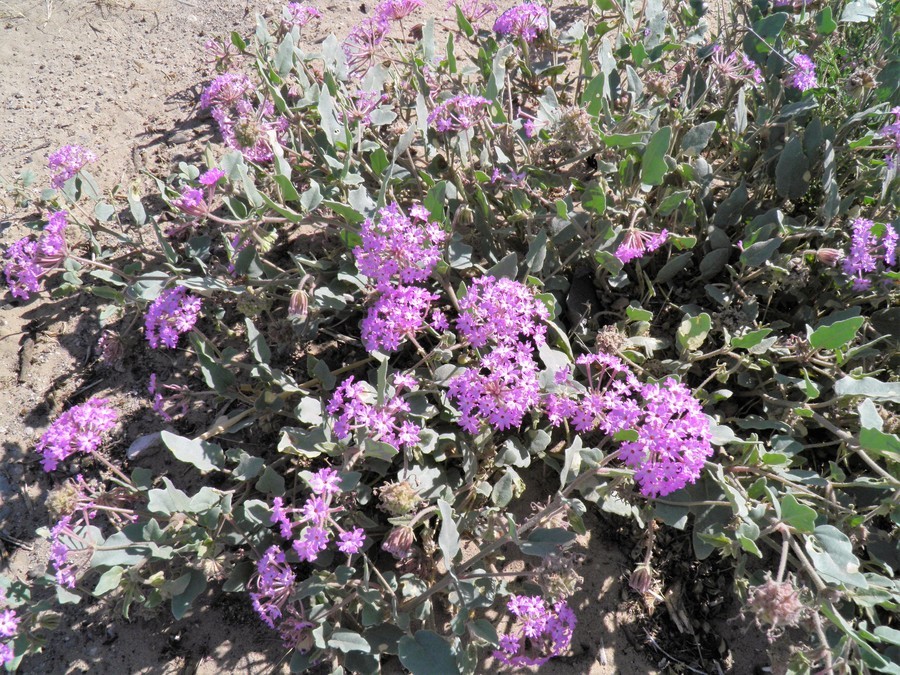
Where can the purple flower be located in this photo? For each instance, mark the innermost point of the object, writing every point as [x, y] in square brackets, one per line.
[79, 429]
[28, 259]
[211, 177]
[191, 202]
[394, 246]
[274, 583]
[892, 133]
[6, 654]
[352, 541]
[173, 313]
[325, 482]
[889, 242]
[9, 623]
[673, 439]
[500, 391]
[804, 75]
[734, 67]
[460, 112]
[226, 90]
[66, 162]
[501, 311]
[364, 104]
[64, 569]
[363, 42]
[538, 634]
[637, 243]
[298, 15]
[473, 10]
[313, 541]
[352, 410]
[397, 314]
[395, 10]
[861, 258]
[281, 516]
[526, 21]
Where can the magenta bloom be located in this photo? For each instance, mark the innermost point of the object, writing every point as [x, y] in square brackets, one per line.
[28, 259]
[526, 21]
[637, 243]
[473, 10]
[501, 390]
[363, 42]
[297, 15]
[226, 90]
[673, 440]
[398, 313]
[863, 258]
[352, 541]
[804, 75]
[9, 623]
[79, 429]
[211, 177]
[395, 10]
[274, 584]
[501, 311]
[398, 246]
[191, 202]
[352, 410]
[539, 633]
[891, 132]
[66, 162]
[172, 314]
[458, 113]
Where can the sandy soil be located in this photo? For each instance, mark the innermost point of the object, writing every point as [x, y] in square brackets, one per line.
[123, 78]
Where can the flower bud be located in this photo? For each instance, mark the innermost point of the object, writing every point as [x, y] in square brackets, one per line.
[829, 256]
[641, 579]
[399, 542]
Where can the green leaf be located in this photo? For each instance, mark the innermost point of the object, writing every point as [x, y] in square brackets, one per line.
[484, 630]
[121, 551]
[696, 140]
[109, 580]
[859, 11]
[868, 386]
[448, 539]
[427, 654]
[594, 197]
[544, 541]
[888, 634]
[204, 455]
[760, 252]
[825, 23]
[195, 586]
[508, 267]
[831, 552]
[271, 482]
[505, 488]
[693, 330]
[792, 174]
[214, 374]
[797, 515]
[258, 346]
[836, 335]
[638, 314]
[751, 339]
[653, 163]
[284, 57]
[169, 500]
[349, 641]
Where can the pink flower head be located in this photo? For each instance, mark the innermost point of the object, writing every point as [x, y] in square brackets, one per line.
[397, 314]
[804, 75]
[395, 10]
[458, 113]
[526, 21]
[79, 429]
[9, 623]
[352, 541]
[297, 15]
[68, 161]
[502, 311]
[211, 177]
[539, 632]
[363, 42]
[172, 314]
[28, 259]
[637, 243]
[325, 482]
[274, 583]
[473, 10]
[191, 202]
[395, 247]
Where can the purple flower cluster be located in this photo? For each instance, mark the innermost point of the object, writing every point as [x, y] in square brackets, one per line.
[243, 123]
[503, 311]
[804, 75]
[539, 633]
[28, 259]
[173, 313]
[396, 314]
[195, 202]
[363, 42]
[63, 568]
[673, 436]
[316, 519]
[863, 257]
[79, 429]
[458, 113]
[736, 66]
[526, 21]
[892, 133]
[500, 390]
[397, 10]
[66, 162]
[174, 397]
[638, 243]
[363, 104]
[274, 583]
[399, 247]
[297, 15]
[9, 624]
[351, 407]
[473, 10]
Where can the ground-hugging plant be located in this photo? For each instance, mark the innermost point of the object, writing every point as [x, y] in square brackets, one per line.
[656, 256]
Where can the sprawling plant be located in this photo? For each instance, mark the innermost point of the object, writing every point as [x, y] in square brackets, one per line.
[654, 255]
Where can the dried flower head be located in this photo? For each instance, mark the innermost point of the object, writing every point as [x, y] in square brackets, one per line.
[775, 604]
[399, 498]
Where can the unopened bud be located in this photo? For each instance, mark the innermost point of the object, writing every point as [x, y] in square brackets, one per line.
[399, 542]
[829, 256]
[641, 579]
